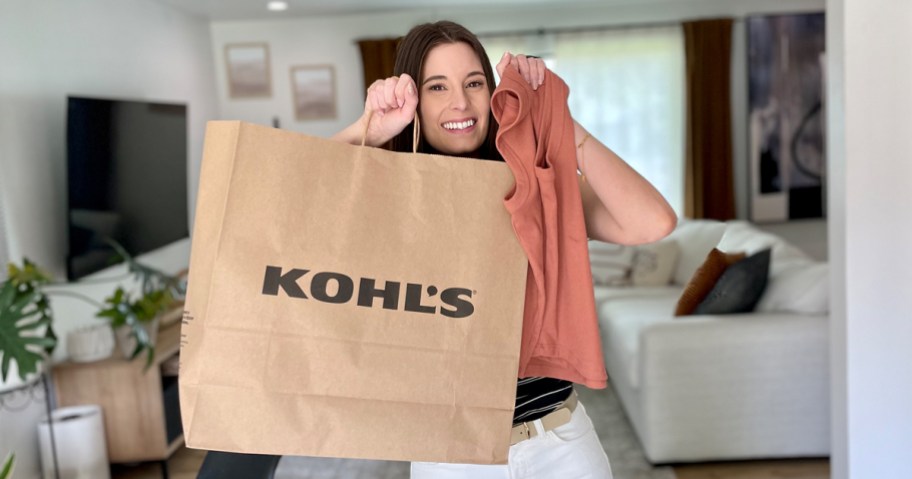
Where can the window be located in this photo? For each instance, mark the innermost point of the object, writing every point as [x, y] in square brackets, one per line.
[626, 88]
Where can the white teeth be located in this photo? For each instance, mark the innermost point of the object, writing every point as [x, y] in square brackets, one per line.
[458, 125]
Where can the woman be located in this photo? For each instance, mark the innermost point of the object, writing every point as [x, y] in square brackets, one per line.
[442, 74]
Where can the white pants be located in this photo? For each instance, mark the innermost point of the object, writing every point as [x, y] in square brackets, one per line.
[571, 451]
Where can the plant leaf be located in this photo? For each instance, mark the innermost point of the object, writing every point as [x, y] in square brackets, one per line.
[8, 466]
[30, 274]
[22, 323]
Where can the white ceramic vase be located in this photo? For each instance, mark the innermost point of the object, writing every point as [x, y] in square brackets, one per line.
[90, 343]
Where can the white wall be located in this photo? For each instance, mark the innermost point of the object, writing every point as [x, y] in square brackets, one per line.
[836, 207]
[4, 252]
[135, 49]
[871, 110]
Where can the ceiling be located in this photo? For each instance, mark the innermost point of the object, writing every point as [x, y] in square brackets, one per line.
[256, 9]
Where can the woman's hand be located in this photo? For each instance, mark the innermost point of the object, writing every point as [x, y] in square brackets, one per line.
[532, 69]
[389, 108]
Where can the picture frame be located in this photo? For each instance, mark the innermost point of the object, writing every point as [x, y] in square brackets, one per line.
[314, 92]
[248, 70]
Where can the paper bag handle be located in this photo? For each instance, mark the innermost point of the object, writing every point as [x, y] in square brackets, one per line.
[416, 129]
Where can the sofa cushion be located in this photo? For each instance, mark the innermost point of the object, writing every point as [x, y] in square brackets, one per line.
[643, 265]
[744, 236]
[739, 288]
[611, 263]
[619, 292]
[622, 318]
[704, 279]
[801, 289]
[653, 264]
[695, 239]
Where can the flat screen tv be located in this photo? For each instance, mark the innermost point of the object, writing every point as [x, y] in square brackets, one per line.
[126, 178]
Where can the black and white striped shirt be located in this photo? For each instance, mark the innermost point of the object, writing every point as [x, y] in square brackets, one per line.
[537, 396]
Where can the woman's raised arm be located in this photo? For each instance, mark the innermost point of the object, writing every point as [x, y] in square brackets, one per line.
[620, 206]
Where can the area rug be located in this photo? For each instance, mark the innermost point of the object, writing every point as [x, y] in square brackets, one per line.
[616, 434]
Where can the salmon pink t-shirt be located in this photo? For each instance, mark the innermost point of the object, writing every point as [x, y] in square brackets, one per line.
[560, 336]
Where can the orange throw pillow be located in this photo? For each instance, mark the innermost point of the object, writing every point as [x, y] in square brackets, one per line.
[704, 279]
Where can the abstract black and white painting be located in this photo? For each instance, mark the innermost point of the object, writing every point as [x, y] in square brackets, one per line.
[787, 135]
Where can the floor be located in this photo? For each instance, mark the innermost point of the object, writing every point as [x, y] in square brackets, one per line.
[614, 430]
[791, 469]
[186, 462]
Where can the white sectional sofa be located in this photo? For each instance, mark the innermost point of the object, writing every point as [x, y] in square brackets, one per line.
[720, 387]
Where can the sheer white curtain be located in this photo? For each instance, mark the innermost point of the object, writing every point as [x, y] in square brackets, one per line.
[626, 88]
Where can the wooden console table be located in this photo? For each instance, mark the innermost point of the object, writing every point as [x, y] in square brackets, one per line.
[139, 405]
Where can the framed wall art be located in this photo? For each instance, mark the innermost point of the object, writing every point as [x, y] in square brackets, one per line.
[247, 67]
[787, 122]
[314, 92]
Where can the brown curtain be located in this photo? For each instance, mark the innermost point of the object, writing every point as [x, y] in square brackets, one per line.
[709, 186]
[378, 57]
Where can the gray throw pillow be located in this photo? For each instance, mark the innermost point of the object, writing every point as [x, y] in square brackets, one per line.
[739, 288]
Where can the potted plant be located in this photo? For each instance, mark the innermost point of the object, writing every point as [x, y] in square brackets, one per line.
[26, 323]
[135, 322]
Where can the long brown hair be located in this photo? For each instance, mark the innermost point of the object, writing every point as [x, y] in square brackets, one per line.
[410, 55]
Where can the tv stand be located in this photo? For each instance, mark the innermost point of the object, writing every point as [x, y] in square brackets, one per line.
[140, 407]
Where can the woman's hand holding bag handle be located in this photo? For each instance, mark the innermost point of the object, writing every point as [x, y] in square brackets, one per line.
[390, 106]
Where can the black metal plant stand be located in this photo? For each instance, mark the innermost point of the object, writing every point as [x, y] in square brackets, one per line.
[20, 397]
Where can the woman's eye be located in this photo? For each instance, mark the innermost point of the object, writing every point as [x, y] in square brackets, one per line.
[436, 87]
[475, 84]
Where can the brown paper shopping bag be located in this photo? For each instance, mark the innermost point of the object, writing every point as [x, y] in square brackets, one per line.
[349, 302]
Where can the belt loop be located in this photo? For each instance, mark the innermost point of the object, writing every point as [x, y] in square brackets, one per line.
[525, 430]
[539, 427]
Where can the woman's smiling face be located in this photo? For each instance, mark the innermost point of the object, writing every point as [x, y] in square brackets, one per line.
[455, 102]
